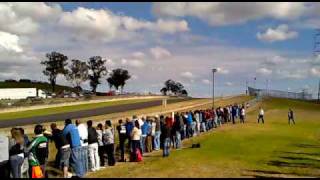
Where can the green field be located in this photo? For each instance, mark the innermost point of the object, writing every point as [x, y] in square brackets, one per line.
[63, 109]
[273, 149]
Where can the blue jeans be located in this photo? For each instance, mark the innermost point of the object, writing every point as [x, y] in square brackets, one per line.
[143, 143]
[157, 140]
[84, 158]
[166, 147]
[203, 124]
[16, 163]
[77, 165]
[178, 140]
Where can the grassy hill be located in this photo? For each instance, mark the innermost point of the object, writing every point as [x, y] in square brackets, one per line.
[39, 85]
[273, 149]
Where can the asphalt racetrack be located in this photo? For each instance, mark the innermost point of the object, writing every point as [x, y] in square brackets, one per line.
[84, 113]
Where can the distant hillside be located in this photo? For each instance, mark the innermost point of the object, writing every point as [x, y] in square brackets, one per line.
[38, 85]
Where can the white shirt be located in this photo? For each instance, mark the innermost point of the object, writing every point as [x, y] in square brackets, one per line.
[4, 150]
[153, 130]
[243, 112]
[83, 133]
[261, 112]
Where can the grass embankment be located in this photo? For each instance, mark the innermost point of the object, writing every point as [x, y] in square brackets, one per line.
[63, 109]
[273, 149]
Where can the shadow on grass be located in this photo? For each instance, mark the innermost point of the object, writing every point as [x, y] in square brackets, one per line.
[289, 161]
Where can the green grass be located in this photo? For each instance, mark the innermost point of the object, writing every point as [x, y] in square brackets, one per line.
[56, 110]
[273, 149]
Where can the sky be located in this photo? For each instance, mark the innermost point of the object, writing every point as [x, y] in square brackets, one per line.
[183, 41]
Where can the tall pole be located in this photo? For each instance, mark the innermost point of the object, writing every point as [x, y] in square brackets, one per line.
[213, 71]
[319, 92]
[246, 87]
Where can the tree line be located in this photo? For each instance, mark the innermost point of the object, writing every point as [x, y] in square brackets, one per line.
[78, 71]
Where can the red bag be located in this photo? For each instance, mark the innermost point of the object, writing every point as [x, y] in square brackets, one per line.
[138, 155]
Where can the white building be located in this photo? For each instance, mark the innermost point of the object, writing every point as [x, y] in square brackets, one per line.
[21, 93]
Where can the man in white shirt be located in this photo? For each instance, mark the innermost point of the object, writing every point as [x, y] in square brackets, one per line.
[261, 114]
[83, 133]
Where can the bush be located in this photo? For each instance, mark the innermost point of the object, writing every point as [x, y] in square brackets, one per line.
[10, 80]
[25, 80]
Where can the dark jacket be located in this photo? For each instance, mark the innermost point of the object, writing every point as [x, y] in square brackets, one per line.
[166, 131]
[92, 135]
[58, 138]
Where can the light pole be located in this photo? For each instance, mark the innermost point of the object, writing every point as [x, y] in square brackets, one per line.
[213, 71]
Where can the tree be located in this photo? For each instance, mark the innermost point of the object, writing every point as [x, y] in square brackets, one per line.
[118, 78]
[184, 92]
[54, 65]
[97, 69]
[78, 73]
[173, 87]
[164, 91]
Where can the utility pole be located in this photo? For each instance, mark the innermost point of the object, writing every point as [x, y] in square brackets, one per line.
[213, 71]
[319, 93]
[246, 87]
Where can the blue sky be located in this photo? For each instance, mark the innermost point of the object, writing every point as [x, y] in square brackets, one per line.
[158, 41]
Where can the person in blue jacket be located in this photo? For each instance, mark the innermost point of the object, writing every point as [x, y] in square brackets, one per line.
[144, 131]
[129, 127]
[71, 132]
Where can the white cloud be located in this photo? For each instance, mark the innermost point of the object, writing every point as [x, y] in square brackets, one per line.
[139, 55]
[225, 13]
[315, 71]
[264, 71]
[133, 63]
[222, 70]
[160, 53]
[205, 81]
[10, 42]
[187, 75]
[228, 84]
[280, 33]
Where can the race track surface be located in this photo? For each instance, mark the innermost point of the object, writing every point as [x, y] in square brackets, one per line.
[84, 113]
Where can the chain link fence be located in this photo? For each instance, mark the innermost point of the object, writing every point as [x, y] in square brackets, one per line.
[279, 94]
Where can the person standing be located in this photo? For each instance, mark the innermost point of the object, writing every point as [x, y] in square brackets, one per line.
[71, 132]
[243, 114]
[166, 131]
[109, 143]
[177, 126]
[144, 130]
[157, 134]
[63, 149]
[93, 147]
[149, 136]
[101, 149]
[129, 128]
[290, 116]
[38, 150]
[153, 132]
[83, 132]
[16, 152]
[135, 136]
[121, 128]
[261, 115]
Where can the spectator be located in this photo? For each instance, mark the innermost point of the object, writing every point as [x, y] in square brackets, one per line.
[129, 128]
[157, 134]
[93, 147]
[16, 152]
[122, 138]
[109, 143]
[177, 126]
[83, 132]
[25, 164]
[153, 132]
[290, 116]
[135, 136]
[149, 136]
[144, 130]
[38, 150]
[63, 149]
[166, 131]
[243, 114]
[71, 132]
[101, 149]
[4, 156]
[261, 114]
